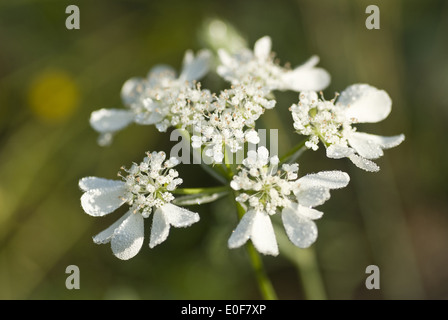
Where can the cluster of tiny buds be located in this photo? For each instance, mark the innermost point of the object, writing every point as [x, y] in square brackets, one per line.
[265, 188]
[150, 183]
[320, 120]
[228, 121]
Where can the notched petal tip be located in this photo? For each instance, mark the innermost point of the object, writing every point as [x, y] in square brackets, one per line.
[301, 231]
[365, 146]
[335, 151]
[365, 103]
[389, 142]
[312, 196]
[194, 68]
[106, 235]
[179, 217]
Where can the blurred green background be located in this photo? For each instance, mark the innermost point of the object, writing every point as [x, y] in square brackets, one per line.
[52, 78]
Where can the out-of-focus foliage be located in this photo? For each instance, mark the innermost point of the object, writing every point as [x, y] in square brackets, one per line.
[52, 78]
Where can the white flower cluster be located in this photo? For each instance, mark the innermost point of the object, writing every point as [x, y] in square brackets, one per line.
[159, 99]
[260, 66]
[215, 121]
[149, 183]
[332, 123]
[230, 121]
[265, 191]
[146, 186]
[227, 121]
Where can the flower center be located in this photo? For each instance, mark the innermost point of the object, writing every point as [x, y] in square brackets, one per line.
[149, 183]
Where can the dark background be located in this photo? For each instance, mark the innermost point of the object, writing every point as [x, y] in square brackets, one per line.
[52, 78]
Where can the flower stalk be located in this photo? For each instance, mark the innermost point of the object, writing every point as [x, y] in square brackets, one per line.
[264, 283]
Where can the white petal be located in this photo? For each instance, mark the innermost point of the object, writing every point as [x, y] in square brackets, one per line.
[365, 146]
[251, 158]
[309, 213]
[384, 142]
[263, 154]
[225, 70]
[106, 235]
[160, 228]
[310, 63]
[105, 139]
[262, 235]
[128, 237]
[132, 90]
[188, 58]
[305, 212]
[243, 231]
[110, 120]
[364, 163]
[179, 217]
[160, 75]
[149, 118]
[307, 77]
[99, 202]
[327, 179]
[88, 183]
[312, 196]
[301, 231]
[365, 103]
[194, 68]
[262, 48]
[337, 151]
[226, 58]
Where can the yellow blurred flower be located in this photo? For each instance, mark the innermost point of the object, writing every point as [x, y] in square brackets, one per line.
[53, 95]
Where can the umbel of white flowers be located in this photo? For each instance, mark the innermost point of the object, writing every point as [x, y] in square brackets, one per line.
[215, 121]
[264, 191]
[146, 188]
[332, 124]
[260, 66]
[227, 121]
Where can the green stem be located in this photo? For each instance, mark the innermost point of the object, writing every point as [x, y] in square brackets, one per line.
[229, 168]
[222, 167]
[201, 190]
[310, 275]
[294, 153]
[272, 119]
[215, 171]
[264, 283]
[307, 265]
